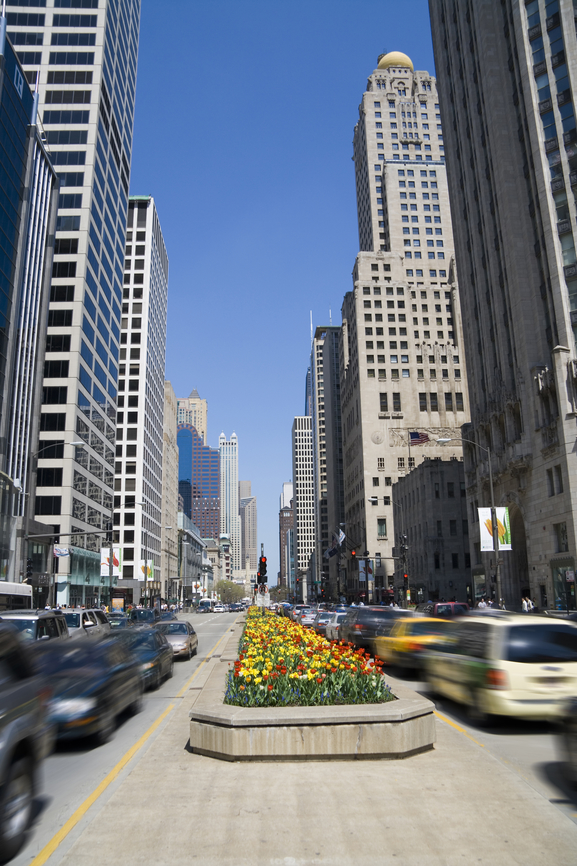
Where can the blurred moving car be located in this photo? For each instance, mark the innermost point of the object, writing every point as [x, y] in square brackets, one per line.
[443, 609]
[361, 624]
[405, 643]
[153, 652]
[321, 620]
[120, 621]
[148, 615]
[507, 665]
[181, 636]
[26, 737]
[91, 683]
[37, 624]
[333, 625]
[82, 623]
[568, 739]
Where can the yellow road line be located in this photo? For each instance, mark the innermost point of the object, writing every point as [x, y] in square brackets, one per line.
[51, 847]
[188, 682]
[458, 728]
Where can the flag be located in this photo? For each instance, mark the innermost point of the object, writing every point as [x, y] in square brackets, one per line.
[418, 438]
[342, 536]
[332, 551]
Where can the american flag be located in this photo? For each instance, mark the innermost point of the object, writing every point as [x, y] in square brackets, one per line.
[418, 438]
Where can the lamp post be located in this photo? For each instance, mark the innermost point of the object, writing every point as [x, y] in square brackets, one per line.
[493, 511]
[142, 513]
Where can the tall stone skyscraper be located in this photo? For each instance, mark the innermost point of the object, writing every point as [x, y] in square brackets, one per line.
[83, 59]
[229, 512]
[193, 410]
[139, 435]
[507, 79]
[248, 527]
[402, 365]
[303, 506]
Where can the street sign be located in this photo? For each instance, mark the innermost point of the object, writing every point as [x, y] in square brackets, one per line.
[262, 600]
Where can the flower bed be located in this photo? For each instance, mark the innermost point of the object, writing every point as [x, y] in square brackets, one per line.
[281, 663]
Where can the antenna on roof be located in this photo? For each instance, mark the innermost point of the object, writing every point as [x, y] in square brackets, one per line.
[330, 317]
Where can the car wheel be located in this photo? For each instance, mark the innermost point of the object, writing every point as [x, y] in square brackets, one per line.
[195, 650]
[107, 726]
[170, 669]
[189, 652]
[477, 712]
[156, 680]
[569, 749]
[136, 704]
[16, 807]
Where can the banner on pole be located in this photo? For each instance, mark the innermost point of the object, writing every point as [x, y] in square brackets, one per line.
[149, 574]
[116, 562]
[503, 529]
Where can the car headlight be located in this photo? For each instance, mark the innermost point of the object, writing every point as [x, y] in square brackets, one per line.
[179, 646]
[147, 666]
[72, 707]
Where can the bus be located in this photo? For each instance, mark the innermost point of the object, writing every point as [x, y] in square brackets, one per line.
[15, 596]
[206, 605]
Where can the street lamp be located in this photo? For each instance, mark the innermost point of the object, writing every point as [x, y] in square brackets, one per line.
[142, 513]
[493, 511]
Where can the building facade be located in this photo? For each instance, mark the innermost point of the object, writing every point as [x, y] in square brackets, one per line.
[512, 165]
[327, 455]
[402, 365]
[433, 518]
[193, 410]
[191, 552]
[199, 480]
[85, 69]
[285, 522]
[169, 522]
[229, 511]
[139, 444]
[303, 505]
[248, 527]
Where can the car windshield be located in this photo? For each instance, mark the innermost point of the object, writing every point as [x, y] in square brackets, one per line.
[72, 620]
[64, 659]
[534, 644]
[26, 626]
[142, 615]
[341, 617]
[142, 640]
[117, 622]
[172, 628]
[423, 628]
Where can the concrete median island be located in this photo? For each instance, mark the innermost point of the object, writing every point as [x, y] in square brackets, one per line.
[396, 729]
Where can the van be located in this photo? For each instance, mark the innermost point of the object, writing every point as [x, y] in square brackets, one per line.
[92, 622]
[37, 624]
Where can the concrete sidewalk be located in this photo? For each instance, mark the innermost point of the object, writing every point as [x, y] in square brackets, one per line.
[453, 805]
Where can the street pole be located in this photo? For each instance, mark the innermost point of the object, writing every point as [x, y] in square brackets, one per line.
[110, 568]
[495, 531]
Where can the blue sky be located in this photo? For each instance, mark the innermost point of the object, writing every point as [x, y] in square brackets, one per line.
[245, 112]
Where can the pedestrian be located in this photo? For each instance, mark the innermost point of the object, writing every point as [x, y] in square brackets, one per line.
[524, 605]
[530, 604]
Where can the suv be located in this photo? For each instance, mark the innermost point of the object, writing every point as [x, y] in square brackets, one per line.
[26, 737]
[145, 615]
[37, 624]
[93, 622]
[444, 609]
[362, 624]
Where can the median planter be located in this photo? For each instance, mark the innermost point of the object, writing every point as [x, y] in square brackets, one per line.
[401, 725]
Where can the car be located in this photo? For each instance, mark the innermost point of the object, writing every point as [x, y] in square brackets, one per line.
[443, 609]
[408, 638]
[236, 607]
[506, 665]
[149, 615]
[167, 616]
[307, 617]
[321, 620]
[92, 683]
[153, 652]
[362, 624]
[181, 636]
[120, 622]
[296, 611]
[332, 626]
[38, 624]
[219, 608]
[26, 738]
[91, 622]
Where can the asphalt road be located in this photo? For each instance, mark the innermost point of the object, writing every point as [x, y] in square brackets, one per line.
[529, 749]
[76, 768]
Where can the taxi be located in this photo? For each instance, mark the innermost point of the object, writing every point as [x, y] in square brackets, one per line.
[408, 638]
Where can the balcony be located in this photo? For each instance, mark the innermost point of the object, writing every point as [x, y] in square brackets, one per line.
[559, 184]
[557, 59]
[551, 144]
[534, 32]
[539, 68]
[570, 136]
[564, 226]
[573, 178]
[564, 97]
[546, 105]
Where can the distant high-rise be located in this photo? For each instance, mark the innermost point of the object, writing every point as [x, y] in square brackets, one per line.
[248, 526]
[285, 522]
[303, 505]
[193, 410]
[85, 67]
[286, 495]
[199, 481]
[229, 513]
[169, 525]
[139, 441]
[508, 79]
[402, 365]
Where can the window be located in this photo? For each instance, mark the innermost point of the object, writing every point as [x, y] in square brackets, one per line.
[437, 491]
[397, 403]
[375, 482]
[560, 530]
[439, 528]
[459, 396]
[48, 505]
[400, 462]
[452, 527]
[384, 403]
[423, 402]
[558, 479]
[381, 527]
[451, 489]
[455, 560]
[54, 395]
[449, 402]
[380, 462]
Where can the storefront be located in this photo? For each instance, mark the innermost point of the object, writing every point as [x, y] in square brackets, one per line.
[563, 573]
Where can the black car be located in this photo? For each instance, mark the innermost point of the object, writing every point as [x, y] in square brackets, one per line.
[362, 624]
[152, 651]
[92, 684]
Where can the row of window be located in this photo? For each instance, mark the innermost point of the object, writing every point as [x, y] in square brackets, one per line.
[419, 273]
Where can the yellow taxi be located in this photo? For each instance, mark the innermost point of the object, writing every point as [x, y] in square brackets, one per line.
[409, 637]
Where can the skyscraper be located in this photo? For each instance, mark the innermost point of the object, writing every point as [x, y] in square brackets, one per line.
[139, 443]
[402, 367]
[229, 514]
[303, 505]
[248, 527]
[193, 410]
[508, 79]
[199, 481]
[169, 519]
[85, 65]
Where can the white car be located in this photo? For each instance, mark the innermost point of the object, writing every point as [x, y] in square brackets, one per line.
[332, 629]
[219, 608]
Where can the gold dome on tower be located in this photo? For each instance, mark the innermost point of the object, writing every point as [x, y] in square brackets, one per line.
[394, 58]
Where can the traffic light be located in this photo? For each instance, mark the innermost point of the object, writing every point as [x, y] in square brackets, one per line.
[353, 554]
[261, 574]
[28, 568]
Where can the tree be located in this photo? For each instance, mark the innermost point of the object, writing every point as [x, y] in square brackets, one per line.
[229, 592]
[278, 593]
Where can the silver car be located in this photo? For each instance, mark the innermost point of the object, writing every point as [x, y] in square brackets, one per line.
[332, 628]
[93, 622]
[181, 636]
